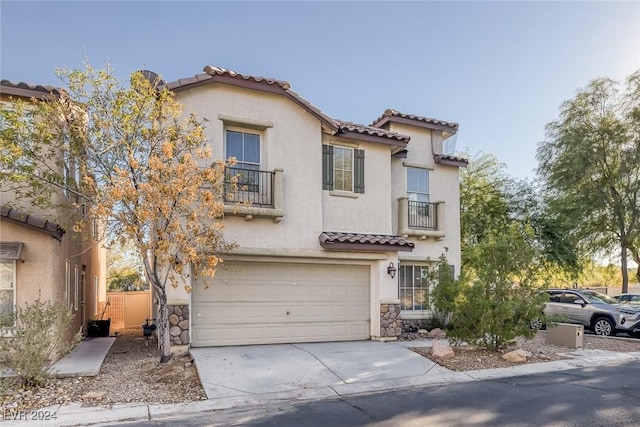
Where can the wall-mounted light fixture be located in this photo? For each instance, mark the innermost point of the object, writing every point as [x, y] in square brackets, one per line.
[391, 270]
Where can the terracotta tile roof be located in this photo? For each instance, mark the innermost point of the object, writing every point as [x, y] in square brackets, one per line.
[40, 224]
[444, 159]
[8, 87]
[361, 241]
[222, 75]
[350, 127]
[395, 116]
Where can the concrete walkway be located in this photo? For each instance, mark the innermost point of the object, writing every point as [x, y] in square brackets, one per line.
[85, 360]
[253, 375]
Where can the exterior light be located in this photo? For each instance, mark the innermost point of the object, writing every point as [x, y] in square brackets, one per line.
[391, 270]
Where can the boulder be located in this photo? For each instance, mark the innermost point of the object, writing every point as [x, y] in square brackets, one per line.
[423, 331]
[516, 356]
[442, 351]
[437, 333]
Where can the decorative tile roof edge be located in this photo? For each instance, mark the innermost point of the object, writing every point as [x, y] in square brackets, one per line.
[443, 159]
[35, 222]
[391, 115]
[267, 84]
[7, 87]
[364, 242]
[371, 133]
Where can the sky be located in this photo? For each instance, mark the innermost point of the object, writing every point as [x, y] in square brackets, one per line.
[499, 69]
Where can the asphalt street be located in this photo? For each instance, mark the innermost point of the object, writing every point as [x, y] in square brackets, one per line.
[599, 396]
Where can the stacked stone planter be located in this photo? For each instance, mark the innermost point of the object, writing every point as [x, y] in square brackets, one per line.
[179, 324]
[390, 323]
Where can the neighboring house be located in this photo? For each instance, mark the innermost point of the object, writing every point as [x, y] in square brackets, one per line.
[339, 222]
[38, 259]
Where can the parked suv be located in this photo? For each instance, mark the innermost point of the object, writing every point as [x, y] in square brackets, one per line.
[595, 311]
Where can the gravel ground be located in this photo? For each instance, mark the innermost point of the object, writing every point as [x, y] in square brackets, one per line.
[468, 358]
[131, 373]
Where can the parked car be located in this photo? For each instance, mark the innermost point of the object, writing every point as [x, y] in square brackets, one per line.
[627, 298]
[598, 312]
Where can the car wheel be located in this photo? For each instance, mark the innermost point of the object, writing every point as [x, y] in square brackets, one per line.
[603, 326]
[537, 324]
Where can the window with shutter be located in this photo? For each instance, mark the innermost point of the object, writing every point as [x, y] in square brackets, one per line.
[342, 169]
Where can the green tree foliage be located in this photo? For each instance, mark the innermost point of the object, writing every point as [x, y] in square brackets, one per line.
[590, 165]
[507, 247]
[35, 343]
[138, 165]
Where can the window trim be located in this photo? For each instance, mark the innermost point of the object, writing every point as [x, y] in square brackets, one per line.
[329, 171]
[7, 330]
[418, 193]
[426, 306]
[250, 131]
[344, 170]
[67, 281]
[76, 289]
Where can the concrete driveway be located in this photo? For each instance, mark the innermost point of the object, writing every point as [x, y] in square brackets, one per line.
[258, 369]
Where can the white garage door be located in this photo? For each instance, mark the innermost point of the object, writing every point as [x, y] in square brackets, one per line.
[268, 303]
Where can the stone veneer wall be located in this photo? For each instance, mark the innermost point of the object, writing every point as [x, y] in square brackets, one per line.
[390, 323]
[179, 324]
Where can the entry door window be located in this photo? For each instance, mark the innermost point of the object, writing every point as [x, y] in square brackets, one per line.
[413, 284]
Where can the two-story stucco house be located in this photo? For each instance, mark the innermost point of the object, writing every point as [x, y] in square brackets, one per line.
[38, 257]
[336, 223]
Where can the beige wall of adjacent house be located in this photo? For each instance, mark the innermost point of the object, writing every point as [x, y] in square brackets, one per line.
[41, 271]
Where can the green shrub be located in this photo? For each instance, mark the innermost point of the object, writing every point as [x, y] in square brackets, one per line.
[38, 338]
[496, 296]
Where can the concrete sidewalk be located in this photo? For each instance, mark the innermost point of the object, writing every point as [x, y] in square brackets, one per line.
[328, 370]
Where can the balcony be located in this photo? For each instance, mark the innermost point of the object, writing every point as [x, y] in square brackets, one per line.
[253, 193]
[420, 219]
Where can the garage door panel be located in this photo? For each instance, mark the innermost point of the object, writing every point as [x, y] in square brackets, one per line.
[248, 302]
[285, 333]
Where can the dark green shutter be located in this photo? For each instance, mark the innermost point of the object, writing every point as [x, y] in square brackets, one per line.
[327, 167]
[358, 170]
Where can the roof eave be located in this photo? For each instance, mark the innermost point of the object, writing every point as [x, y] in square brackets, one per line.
[448, 161]
[370, 247]
[372, 138]
[418, 123]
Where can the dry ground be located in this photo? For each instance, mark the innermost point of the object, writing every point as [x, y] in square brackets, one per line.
[468, 358]
[131, 373]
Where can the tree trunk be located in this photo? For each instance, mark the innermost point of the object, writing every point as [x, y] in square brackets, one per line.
[635, 255]
[165, 339]
[623, 266]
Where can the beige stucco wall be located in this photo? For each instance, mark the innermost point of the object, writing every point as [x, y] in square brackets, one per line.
[291, 139]
[364, 213]
[444, 186]
[292, 143]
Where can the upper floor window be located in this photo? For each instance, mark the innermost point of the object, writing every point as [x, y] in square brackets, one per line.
[418, 184]
[342, 169]
[245, 147]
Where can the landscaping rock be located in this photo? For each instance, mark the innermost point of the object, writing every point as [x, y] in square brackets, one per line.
[516, 356]
[442, 351]
[437, 333]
